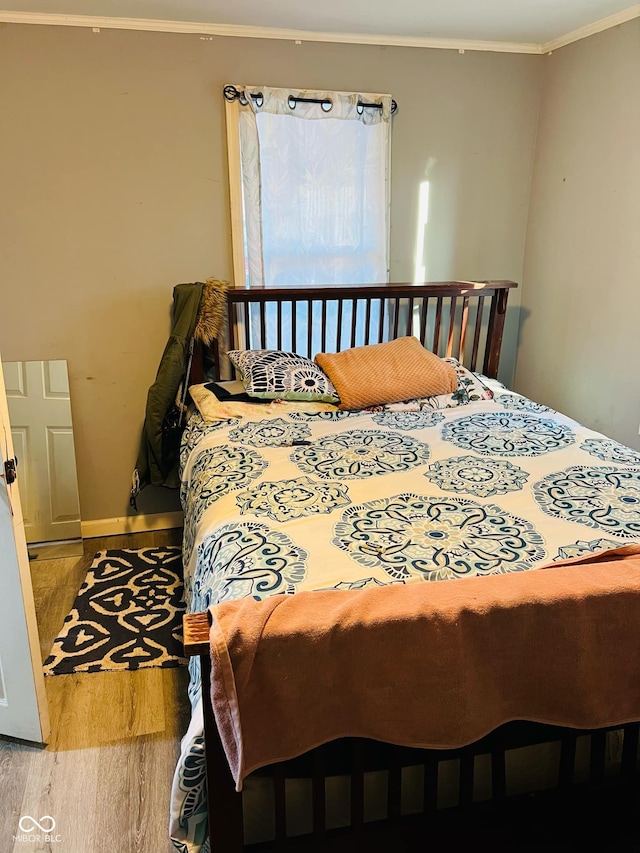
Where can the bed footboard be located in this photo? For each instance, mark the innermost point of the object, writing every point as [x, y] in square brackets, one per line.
[356, 757]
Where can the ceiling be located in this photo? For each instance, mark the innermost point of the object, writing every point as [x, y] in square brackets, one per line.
[526, 25]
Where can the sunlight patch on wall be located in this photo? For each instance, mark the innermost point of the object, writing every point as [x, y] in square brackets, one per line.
[420, 270]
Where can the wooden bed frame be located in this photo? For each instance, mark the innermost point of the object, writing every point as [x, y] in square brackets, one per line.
[460, 319]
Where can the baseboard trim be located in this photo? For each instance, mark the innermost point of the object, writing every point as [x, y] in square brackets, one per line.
[131, 524]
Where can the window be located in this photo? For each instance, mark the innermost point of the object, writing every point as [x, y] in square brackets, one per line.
[309, 186]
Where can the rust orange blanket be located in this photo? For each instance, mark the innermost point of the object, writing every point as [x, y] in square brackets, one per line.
[428, 664]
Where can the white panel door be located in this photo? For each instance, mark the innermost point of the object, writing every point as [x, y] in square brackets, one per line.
[38, 393]
[23, 704]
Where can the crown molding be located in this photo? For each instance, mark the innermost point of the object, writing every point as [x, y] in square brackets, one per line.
[237, 31]
[591, 29]
[96, 22]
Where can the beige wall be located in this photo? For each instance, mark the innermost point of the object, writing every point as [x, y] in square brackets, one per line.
[114, 188]
[580, 327]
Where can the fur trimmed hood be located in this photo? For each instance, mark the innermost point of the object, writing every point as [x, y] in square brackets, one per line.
[211, 311]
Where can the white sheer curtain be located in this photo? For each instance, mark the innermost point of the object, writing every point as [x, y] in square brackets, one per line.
[315, 186]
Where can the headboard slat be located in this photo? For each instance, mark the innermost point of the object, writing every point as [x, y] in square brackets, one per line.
[323, 330]
[279, 324]
[354, 322]
[436, 328]
[294, 326]
[263, 322]
[247, 327]
[464, 319]
[367, 321]
[452, 325]
[383, 311]
[424, 310]
[476, 334]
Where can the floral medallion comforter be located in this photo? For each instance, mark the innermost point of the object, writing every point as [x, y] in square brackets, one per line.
[399, 495]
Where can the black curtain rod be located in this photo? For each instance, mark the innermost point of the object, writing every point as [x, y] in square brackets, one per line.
[232, 94]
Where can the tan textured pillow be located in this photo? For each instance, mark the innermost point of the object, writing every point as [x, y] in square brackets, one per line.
[387, 373]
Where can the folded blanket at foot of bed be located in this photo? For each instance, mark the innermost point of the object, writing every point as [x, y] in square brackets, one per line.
[431, 665]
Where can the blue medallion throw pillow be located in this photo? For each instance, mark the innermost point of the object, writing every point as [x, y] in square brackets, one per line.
[277, 375]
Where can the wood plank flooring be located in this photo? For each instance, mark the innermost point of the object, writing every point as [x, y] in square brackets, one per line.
[105, 775]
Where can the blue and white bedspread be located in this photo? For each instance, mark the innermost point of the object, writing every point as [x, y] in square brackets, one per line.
[347, 500]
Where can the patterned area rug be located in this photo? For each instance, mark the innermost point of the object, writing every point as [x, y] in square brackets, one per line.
[127, 615]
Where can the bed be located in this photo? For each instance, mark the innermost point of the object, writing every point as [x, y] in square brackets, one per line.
[317, 542]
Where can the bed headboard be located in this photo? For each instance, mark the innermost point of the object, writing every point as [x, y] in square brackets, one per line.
[463, 319]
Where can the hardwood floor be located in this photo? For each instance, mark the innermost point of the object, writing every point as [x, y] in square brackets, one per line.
[105, 775]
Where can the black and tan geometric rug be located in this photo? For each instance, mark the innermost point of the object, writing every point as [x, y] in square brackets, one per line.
[127, 615]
